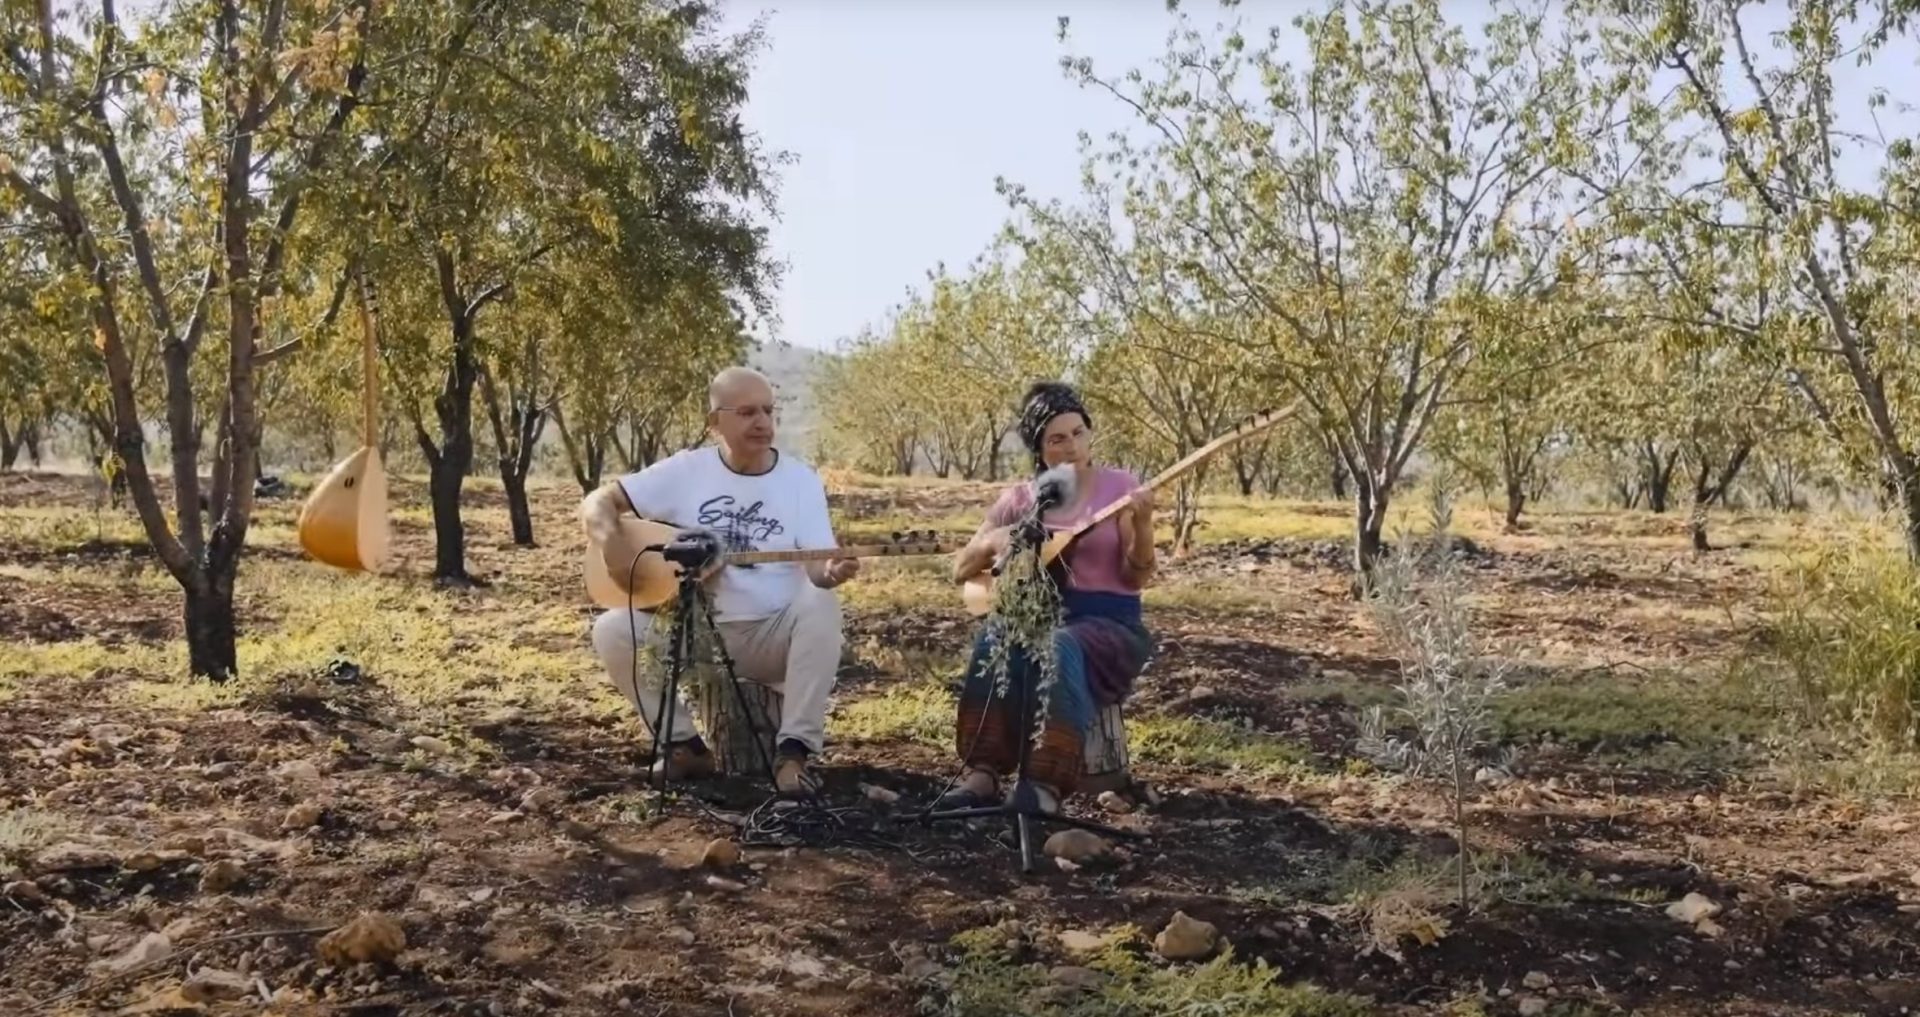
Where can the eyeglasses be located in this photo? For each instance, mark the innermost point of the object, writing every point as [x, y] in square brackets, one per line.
[747, 412]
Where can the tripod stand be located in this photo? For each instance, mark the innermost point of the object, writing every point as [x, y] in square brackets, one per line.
[1022, 806]
[692, 553]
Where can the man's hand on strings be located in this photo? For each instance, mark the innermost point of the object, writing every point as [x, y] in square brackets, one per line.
[837, 571]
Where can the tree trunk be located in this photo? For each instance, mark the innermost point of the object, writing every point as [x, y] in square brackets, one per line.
[1248, 464]
[1708, 489]
[1911, 503]
[1186, 517]
[450, 463]
[1659, 486]
[585, 457]
[999, 439]
[1244, 474]
[210, 629]
[1369, 518]
[1627, 493]
[444, 480]
[519, 514]
[596, 462]
[1516, 501]
[512, 440]
[10, 443]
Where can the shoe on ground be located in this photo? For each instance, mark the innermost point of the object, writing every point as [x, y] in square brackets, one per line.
[790, 773]
[688, 760]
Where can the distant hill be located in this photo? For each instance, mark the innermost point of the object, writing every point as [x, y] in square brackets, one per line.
[793, 370]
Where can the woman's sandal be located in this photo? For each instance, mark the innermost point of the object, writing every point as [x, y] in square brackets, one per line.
[1045, 797]
[967, 798]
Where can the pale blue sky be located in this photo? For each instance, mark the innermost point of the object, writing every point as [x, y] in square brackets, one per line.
[901, 113]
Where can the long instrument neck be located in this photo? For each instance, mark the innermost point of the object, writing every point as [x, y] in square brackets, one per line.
[1189, 461]
[369, 364]
[828, 553]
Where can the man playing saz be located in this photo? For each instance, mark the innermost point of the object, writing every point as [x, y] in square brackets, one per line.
[779, 621]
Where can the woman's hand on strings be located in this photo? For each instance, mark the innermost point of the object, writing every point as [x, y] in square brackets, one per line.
[1141, 505]
[1137, 517]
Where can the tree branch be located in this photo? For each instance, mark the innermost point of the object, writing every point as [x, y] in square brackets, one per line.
[326, 320]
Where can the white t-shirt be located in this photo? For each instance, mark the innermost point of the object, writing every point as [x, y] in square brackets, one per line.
[782, 509]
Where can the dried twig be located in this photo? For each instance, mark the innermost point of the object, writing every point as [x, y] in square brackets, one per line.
[182, 954]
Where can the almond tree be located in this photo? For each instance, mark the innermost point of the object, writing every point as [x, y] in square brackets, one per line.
[868, 410]
[172, 153]
[605, 134]
[632, 381]
[1775, 139]
[1355, 209]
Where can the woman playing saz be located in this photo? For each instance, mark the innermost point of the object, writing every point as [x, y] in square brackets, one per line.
[1100, 644]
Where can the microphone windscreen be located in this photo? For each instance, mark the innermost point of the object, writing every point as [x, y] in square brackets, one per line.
[1055, 486]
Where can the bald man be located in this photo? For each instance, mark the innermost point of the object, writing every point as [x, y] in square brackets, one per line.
[780, 621]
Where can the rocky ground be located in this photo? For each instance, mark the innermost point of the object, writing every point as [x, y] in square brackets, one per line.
[420, 801]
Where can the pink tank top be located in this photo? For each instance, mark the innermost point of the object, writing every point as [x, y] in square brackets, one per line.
[1095, 562]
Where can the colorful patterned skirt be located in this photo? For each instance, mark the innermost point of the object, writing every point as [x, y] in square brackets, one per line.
[1101, 647]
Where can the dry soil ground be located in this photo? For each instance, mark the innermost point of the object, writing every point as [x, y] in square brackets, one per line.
[454, 762]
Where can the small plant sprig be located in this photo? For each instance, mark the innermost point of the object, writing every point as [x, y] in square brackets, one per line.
[1447, 686]
[1026, 610]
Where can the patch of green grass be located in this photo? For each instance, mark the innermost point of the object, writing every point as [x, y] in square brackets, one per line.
[1214, 596]
[426, 647]
[921, 711]
[1706, 723]
[1213, 745]
[1371, 869]
[129, 579]
[65, 528]
[904, 584]
[1226, 518]
[989, 980]
[1352, 694]
[84, 658]
[1522, 878]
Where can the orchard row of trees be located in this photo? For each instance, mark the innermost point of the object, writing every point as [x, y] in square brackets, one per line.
[546, 207]
[1631, 230]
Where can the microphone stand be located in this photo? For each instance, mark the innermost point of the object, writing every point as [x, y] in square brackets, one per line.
[1022, 806]
[692, 555]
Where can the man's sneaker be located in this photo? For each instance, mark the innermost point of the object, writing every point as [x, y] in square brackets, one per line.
[688, 760]
[790, 773]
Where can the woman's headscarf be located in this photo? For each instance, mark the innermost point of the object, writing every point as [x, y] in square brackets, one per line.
[1045, 401]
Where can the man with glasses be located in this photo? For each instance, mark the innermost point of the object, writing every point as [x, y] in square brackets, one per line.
[779, 620]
